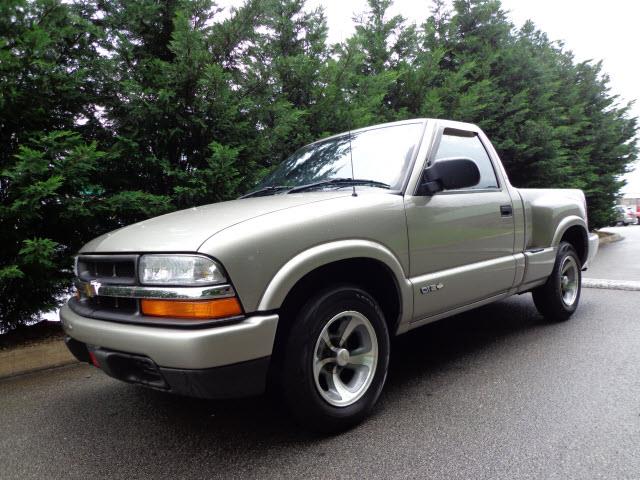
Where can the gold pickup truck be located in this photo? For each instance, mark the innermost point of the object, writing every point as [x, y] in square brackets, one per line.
[300, 284]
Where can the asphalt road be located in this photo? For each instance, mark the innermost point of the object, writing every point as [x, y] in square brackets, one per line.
[494, 393]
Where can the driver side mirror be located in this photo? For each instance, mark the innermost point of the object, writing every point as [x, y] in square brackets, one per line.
[449, 174]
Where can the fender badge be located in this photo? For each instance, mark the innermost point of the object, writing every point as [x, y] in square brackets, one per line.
[431, 288]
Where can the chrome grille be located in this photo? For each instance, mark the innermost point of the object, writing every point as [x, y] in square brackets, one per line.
[108, 269]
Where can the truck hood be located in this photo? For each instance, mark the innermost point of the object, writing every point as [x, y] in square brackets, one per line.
[187, 230]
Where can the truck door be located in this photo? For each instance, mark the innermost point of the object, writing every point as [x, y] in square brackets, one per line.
[460, 241]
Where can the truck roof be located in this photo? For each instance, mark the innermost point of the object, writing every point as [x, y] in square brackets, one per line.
[444, 122]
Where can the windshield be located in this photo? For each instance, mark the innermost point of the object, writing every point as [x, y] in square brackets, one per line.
[379, 154]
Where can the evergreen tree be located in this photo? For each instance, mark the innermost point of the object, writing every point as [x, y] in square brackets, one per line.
[542, 111]
[283, 71]
[113, 112]
[173, 113]
[49, 75]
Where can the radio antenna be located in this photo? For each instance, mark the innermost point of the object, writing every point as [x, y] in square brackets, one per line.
[353, 177]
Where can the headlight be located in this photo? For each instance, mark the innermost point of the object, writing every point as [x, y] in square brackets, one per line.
[179, 270]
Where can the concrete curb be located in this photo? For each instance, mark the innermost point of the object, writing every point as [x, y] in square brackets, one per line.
[606, 237]
[39, 356]
[611, 284]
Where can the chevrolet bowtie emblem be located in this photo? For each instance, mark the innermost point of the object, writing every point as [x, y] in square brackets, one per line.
[91, 289]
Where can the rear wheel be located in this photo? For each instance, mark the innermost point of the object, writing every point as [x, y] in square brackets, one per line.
[336, 359]
[558, 298]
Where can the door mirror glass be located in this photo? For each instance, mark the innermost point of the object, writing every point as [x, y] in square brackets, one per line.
[449, 174]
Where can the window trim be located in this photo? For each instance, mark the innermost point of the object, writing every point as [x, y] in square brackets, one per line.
[444, 130]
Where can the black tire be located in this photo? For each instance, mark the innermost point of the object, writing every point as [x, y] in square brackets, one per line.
[302, 394]
[548, 298]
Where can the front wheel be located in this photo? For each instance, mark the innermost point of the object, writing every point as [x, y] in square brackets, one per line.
[558, 298]
[336, 360]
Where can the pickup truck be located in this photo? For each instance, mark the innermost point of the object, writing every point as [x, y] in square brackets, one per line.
[299, 285]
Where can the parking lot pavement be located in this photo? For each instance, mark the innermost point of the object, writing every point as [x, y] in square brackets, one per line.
[618, 260]
[493, 393]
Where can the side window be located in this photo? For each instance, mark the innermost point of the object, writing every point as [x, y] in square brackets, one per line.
[469, 147]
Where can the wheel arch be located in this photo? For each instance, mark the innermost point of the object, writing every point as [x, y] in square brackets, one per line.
[573, 229]
[368, 264]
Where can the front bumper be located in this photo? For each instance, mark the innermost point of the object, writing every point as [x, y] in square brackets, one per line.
[178, 348]
[594, 242]
[213, 362]
[229, 381]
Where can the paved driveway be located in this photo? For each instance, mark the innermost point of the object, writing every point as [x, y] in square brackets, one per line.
[494, 393]
[619, 260]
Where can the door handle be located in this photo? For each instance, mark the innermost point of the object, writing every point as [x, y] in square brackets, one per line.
[506, 210]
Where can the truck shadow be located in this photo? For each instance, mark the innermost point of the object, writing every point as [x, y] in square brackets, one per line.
[453, 343]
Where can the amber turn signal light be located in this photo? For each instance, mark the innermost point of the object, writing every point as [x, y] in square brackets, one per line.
[198, 309]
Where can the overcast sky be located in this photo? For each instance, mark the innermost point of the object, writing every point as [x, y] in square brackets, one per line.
[592, 29]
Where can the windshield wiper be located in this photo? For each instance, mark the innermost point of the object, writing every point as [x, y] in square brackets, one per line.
[339, 182]
[266, 191]
[270, 190]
